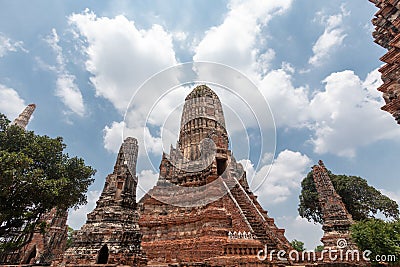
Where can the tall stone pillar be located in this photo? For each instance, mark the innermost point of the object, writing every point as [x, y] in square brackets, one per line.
[337, 220]
[111, 233]
[23, 119]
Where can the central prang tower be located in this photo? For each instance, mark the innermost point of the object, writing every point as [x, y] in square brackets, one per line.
[202, 211]
[202, 152]
[202, 119]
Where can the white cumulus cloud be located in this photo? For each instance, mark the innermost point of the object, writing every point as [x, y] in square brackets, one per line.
[8, 45]
[121, 56]
[114, 135]
[66, 88]
[331, 38]
[275, 183]
[234, 41]
[76, 218]
[347, 115]
[11, 104]
[300, 229]
[288, 103]
[344, 116]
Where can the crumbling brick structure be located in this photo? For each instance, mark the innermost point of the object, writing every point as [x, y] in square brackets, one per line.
[23, 119]
[111, 233]
[387, 35]
[336, 219]
[50, 244]
[202, 211]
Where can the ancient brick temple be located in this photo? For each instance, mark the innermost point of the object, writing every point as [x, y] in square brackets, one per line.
[111, 233]
[337, 220]
[47, 246]
[387, 35]
[42, 247]
[202, 212]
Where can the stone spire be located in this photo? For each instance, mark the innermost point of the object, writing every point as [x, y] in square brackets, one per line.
[202, 120]
[128, 155]
[111, 233]
[202, 211]
[337, 220]
[202, 151]
[120, 186]
[23, 119]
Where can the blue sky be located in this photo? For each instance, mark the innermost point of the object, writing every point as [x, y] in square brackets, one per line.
[314, 62]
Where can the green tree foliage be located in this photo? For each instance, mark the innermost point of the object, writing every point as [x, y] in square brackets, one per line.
[380, 237]
[361, 200]
[70, 239]
[298, 245]
[319, 248]
[35, 176]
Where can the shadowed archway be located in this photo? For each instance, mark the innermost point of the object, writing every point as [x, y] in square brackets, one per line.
[102, 258]
[32, 255]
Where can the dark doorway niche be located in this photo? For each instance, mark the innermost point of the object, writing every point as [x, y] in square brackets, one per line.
[221, 166]
[32, 255]
[103, 255]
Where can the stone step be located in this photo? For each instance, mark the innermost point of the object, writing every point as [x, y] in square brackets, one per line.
[256, 221]
[251, 215]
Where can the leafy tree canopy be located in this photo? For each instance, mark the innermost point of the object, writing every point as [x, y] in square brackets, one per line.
[380, 237]
[70, 239]
[361, 200]
[35, 176]
[298, 245]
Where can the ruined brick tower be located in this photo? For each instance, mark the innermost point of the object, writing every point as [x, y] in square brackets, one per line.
[111, 233]
[23, 119]
[337, 220]
[202, 152]
[202, 212]
[387, 35]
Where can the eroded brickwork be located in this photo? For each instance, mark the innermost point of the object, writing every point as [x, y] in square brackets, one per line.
[387, 35]
[337, 220]
[111, 233]
[23, 119]
[47, 246]
[202, 198]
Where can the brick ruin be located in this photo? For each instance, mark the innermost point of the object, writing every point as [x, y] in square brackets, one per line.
[23, 119]
[111, 233]
[48, 246]
[336, 219]
[387, 35]
[42, 247]
[202, 210]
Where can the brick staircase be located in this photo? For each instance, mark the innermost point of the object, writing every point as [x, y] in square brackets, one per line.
[261, 225]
